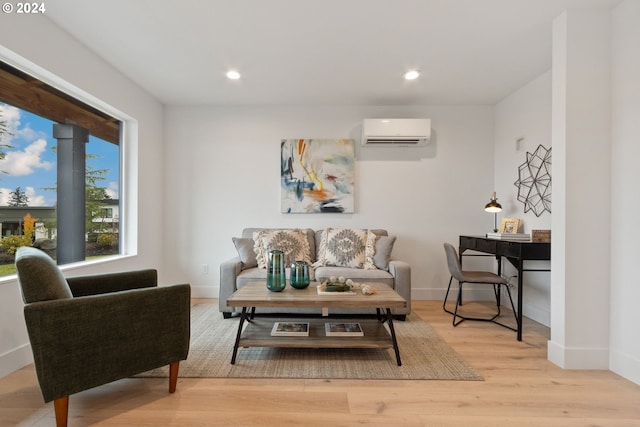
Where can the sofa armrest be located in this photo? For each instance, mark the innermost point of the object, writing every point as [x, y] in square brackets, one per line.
[401, 271]
[96, 284]
[229, 271]
[80, 343]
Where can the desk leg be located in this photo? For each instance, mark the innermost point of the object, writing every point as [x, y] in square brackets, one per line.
[519, 313]
[243, 317]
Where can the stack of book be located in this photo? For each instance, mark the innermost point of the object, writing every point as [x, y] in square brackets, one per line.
[290, 329]
[509, 236]
[343, 330]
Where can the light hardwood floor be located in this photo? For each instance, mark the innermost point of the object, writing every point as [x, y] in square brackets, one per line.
[521, 388]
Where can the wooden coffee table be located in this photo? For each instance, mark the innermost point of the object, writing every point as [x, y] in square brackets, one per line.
[258, 332]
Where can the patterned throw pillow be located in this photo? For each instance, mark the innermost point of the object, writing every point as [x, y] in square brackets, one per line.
[346, 247]
[293, 243]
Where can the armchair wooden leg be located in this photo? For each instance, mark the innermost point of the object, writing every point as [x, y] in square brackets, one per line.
[61, 408]
[173, 376]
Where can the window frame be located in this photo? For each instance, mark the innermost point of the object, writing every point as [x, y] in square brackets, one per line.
[128, 142]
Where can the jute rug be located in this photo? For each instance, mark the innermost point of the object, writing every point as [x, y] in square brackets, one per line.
[425, 356]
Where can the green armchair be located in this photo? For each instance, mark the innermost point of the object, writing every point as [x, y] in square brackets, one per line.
[91, 330]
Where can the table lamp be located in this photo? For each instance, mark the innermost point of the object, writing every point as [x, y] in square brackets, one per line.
[495, 207]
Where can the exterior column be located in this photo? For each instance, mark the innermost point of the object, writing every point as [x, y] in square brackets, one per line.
[71, 192]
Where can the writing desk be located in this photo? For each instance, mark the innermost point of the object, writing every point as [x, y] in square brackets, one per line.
[515, 251]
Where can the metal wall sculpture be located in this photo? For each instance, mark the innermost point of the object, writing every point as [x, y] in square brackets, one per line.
[534, 181]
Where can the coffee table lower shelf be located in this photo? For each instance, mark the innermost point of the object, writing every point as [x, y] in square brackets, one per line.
[257, 333]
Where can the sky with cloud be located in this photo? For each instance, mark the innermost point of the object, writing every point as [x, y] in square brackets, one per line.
[30, 163]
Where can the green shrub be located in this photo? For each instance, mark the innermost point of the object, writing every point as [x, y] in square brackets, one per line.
[107, 240]
[12, 243]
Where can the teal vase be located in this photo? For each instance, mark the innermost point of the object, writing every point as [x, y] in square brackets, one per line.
[276, 273]
[300, 275]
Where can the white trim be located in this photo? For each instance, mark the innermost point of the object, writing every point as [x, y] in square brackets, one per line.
[15, 359]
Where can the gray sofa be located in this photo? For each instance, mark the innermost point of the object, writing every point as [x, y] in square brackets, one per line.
[238, 271]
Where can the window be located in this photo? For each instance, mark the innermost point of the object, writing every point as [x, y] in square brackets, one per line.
[30, 208]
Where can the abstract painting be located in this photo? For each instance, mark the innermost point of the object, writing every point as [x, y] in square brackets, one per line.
[317, 175]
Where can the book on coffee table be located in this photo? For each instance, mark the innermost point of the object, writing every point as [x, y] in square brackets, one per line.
[290, 329]
[343, 330]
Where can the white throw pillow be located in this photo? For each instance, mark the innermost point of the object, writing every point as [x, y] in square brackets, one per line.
[293, 243]
[346, 247]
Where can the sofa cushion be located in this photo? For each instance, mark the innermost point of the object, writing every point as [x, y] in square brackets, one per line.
[244, 246]
[383, 248]
[357, 275]
[294, 243]
[346, 247]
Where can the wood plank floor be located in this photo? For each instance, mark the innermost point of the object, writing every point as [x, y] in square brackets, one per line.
[521, 388]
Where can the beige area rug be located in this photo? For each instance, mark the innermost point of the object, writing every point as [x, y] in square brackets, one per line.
[425, 356]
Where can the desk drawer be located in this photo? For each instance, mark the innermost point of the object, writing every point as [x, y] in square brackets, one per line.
[511, 249]
[479, 244]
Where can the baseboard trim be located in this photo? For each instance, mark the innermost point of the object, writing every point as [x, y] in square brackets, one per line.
[205, 291]
[15, 359]
[625, 365]
[578, 357]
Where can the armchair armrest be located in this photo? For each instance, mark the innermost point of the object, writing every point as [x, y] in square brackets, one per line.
[229, 271]
[96, 284]
[401, 271]
[79, 343]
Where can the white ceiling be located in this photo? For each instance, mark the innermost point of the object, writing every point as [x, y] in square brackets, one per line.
[328, 52]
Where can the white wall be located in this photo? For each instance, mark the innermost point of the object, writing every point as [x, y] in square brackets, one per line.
[581, 131]
[222, 174]
[624, 353]
[524, 115]
[38, 45]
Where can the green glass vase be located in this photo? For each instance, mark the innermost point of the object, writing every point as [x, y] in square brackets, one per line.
[276, 273]
[300, 275]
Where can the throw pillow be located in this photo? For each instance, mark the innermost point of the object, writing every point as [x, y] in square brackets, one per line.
[294, 244]
[244, 246]
[344, 247]
[383, 248]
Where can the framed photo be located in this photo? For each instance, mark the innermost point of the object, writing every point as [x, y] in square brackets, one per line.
[509, 225]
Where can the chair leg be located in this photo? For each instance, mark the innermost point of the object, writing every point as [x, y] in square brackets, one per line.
[496, 291]
[458, 303]
[444, 303]
[173, 376]
[61, 409]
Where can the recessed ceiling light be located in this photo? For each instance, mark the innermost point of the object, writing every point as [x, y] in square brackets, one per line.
[233, 75]
[411, 75]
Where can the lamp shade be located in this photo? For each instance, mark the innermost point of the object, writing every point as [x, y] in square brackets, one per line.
[493, 205]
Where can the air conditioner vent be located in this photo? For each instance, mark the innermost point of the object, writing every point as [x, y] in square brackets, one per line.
[396, 132]
[395, 141]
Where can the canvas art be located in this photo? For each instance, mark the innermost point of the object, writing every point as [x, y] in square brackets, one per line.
[317, 175]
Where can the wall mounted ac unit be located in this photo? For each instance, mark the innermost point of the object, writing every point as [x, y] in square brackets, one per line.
[396, 132]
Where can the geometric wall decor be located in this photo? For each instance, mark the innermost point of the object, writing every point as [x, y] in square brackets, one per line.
[534, 181]
[317, 175]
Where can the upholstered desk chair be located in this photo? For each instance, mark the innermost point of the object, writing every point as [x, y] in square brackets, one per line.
[475, 277]
[91, 330]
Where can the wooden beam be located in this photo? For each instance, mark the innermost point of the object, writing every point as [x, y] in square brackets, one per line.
[28, 93]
